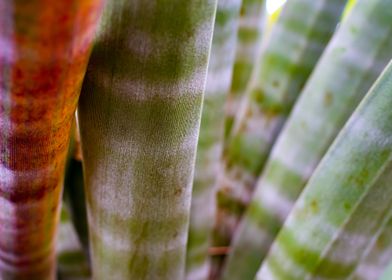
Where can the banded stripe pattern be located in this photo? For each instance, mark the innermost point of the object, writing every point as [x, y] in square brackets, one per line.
[250, 33]
[139, 117]
[211, 137]
[44, 48]
[288, 56]
[378, 254]
[349, 188]
[355, 57]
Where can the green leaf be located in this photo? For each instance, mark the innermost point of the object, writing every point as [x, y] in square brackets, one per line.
[378, 254]
[211, 137]
[139, 117]
[345, 200]
[356, 55]
[287, 59]
[250, 31]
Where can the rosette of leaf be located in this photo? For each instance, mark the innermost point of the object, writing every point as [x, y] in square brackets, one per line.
[356, 55]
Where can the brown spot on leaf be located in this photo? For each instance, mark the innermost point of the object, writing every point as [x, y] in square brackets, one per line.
[328, 98]
[178, 192]
[314, 206]
[249, 113]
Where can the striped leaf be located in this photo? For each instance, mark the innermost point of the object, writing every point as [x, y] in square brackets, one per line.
[250, 30]
[139, 117]
[288, 56]
[345, 201]
[351, 63]
[44, 47]
[379, 252]
[211, 137]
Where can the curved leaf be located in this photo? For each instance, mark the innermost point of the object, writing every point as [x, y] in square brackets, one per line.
[345, 200]
[357, 54]
[378, 254]
[286, 61]
[211, 137]
[251, 26]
